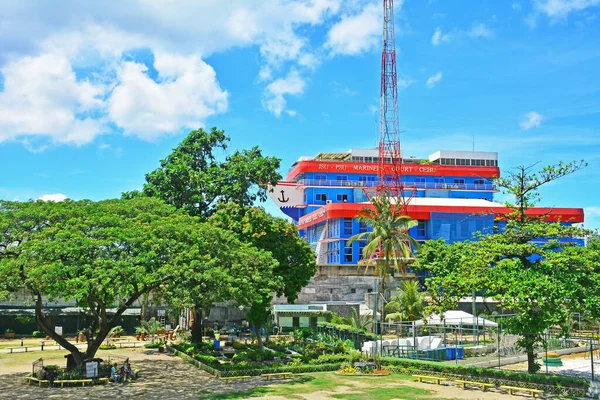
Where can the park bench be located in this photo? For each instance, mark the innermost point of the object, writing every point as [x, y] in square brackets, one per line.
[82, 381]
[105, 380]
[43, 342]
[512, 389]
[30, 379]
[484, 386]
[17, 347]
[437, 379]
[231, 378]
[282, 375]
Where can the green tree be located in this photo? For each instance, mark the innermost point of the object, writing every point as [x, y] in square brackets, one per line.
[408, 305]
[195, 178]
[296, 260]
[388, 244]
[532, 268]
[104, 255]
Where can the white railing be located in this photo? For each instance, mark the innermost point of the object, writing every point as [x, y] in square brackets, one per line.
[417, 185]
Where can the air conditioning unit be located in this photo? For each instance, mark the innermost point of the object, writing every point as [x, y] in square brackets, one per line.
[328, 201]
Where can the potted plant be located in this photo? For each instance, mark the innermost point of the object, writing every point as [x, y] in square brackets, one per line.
[116, 332]
[9, 334]
[161, 346]
[138, 332]
[80, 336]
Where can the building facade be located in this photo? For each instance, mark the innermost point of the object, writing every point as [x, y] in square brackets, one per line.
[453, 198]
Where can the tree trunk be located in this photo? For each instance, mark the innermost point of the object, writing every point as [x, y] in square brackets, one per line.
[531, 366]
[382, 287]
[259, 340]
[197, 328]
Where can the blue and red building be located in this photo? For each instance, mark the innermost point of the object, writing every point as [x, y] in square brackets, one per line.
[453, 198]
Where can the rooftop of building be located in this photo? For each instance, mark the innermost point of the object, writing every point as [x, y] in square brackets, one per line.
[372, 155]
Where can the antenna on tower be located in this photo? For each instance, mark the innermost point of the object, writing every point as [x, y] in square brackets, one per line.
[389, 177]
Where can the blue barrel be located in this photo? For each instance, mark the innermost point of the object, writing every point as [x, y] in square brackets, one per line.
[217, 344]
[450, 353]
[460, 352]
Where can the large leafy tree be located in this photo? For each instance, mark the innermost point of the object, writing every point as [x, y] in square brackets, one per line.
[197, 175]
[531, 267]
[388, 244]
[296, 260]
[106, 255]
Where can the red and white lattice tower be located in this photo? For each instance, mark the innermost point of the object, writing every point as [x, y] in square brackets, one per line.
[389, 179]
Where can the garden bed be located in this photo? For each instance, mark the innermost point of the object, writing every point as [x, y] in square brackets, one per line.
[243, 359]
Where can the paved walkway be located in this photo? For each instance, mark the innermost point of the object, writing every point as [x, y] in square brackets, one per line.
[161, 377]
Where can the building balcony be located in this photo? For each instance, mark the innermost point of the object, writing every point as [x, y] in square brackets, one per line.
[407, 185]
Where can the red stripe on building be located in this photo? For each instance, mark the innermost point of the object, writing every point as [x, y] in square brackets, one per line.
[351, 210]
[408, 169]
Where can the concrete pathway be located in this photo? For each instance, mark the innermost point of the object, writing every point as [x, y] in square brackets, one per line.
[162, 377]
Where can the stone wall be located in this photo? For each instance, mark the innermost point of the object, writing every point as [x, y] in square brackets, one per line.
[338, 283]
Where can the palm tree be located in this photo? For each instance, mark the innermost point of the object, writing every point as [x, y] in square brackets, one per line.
[408, 304]
[389, 244]
[358, 321]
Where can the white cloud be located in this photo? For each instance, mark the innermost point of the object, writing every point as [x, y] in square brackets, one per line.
[356, 33]
[560, 9]
[273, 97]
[405, 82]
[57, 197]
[477, 30]
[373, 109]
[516, 6]
[438, 37]
[42, 97]
[557, 10]
[186, 93]
[532, 120]
[592, 217]
[433, 80]
[193, 29]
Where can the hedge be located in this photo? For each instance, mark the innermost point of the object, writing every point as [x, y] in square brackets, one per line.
[256, 371]
[343, 327]
[478, 372]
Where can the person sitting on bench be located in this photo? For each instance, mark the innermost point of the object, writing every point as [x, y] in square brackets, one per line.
[114, 373]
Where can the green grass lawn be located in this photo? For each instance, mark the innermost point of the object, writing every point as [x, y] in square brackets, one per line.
[348, 388]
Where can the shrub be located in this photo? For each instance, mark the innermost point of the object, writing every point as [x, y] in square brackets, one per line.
[107, 347]
[69, 374]
[8, 330]
[208, 360]
[37, 334]
[478, 372]
[314, 350]
[152, 345]
[329, 359]
[239, 345]
[240, 356]
[276, 346]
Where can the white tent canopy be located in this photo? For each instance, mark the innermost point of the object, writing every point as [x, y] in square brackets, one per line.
[456, 318]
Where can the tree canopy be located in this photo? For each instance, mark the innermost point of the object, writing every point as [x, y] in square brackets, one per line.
[532, 268]
[295, 258]
[197, 174]
[106, 255]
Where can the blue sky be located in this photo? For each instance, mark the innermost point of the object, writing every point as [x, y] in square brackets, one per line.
[92, 97]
